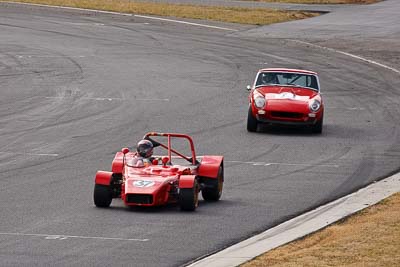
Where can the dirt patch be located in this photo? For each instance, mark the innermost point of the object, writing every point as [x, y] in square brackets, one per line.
[369, 238]
[253, 16]
[319, 1]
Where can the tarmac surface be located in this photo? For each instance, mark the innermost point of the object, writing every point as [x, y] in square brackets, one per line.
[77, 86]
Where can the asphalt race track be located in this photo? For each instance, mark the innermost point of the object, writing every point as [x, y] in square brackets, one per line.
[77, 86]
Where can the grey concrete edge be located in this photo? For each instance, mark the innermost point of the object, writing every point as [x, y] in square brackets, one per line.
[302, 225]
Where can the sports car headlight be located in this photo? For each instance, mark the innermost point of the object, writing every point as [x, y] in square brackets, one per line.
[315, 105]
[259, 102]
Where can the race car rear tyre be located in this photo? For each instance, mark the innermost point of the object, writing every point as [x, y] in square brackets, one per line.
[102, 196]
[317, 128]
[213, 187]
[189, 197]
[251, 122]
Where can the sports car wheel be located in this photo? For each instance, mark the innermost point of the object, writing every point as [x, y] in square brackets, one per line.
[251, 122]
[317, 128]
[213, 187]
[102, 196]
[189, 197]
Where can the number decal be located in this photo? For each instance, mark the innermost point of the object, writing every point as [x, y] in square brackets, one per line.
[143, 183]
[287, 95]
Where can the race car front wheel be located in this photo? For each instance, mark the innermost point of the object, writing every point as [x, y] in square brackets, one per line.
[251, 121]
[189, 197]
[317, 128]
[102, 196]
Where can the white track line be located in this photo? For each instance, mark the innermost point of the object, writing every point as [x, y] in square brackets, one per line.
[88, 98]
[108, 99]
[185, 22]
[349, 55]
[35, 56]
[72, 8]
[128, 15]
[31, 154]
[342, 108]
[254, 163]
[151, 99]
[63, 237]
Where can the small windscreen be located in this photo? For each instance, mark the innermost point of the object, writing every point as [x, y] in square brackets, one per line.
[285, 78]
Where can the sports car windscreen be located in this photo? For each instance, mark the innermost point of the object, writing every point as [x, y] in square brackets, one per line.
[284, 78]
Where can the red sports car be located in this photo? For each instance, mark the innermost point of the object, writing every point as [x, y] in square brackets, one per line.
[172, 177]
[285, 96]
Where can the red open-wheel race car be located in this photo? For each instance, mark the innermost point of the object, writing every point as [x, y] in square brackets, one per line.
[170, 177]
[286, 97]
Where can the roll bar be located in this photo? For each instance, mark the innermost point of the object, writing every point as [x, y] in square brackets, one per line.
[193, 159]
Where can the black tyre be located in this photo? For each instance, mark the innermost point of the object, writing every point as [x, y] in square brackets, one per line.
[212, 190]
[317, 128]
[115, 185]
[251, 122]
[189, 197]
[102, 196]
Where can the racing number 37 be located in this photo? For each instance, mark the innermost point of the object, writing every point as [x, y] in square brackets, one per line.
[143, 183]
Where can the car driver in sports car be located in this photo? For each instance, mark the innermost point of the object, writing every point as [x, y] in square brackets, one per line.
[144, 153]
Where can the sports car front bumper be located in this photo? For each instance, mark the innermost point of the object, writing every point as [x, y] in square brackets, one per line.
[304, 120]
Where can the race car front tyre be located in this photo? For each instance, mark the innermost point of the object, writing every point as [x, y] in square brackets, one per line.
[213, 187]
[102, 196]
[251, 122]
[189, 197]
[317, 128]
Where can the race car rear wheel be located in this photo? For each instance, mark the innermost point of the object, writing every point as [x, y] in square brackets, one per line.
[251, 121]
[102, 196]
[189, 197]
[213, 187]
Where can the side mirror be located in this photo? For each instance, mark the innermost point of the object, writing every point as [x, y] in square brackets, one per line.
[248, 87]
[165, 161]
[125, 150]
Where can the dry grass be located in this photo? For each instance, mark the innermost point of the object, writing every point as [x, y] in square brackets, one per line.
[259, 16]
[320, 1]
[369, 238]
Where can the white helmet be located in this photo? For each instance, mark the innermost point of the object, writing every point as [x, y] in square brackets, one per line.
[145, 148]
